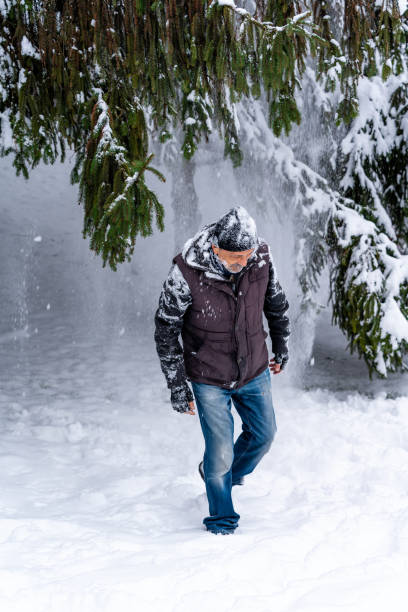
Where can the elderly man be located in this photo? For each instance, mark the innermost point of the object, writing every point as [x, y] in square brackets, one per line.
[216, 291]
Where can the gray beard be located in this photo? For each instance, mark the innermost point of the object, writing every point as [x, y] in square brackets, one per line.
[217, 263]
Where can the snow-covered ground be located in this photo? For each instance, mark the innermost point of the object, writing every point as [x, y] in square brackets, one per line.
[101, 502]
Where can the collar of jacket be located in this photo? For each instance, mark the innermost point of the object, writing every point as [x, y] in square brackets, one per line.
[197, 252]
[244, 279]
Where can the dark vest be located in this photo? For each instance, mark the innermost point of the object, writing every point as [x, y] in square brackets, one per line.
[223, 335]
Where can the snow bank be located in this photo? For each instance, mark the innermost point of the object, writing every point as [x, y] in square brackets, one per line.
[102, 503]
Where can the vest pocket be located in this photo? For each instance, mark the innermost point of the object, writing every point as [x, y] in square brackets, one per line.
[210, 355]
[216, 357]
[216, 364]
[218, 336]
[201, 335]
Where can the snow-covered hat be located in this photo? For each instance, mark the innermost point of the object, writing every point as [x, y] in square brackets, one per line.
[236, 231]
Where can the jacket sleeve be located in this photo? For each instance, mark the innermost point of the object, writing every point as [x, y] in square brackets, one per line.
[174, 300]
[274, 309]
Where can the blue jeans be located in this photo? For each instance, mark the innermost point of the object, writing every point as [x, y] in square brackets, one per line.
[226, 463]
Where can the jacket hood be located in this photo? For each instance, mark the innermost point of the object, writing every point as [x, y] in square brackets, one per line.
[197, 250]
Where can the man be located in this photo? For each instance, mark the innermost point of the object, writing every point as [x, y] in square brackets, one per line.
[215, 294]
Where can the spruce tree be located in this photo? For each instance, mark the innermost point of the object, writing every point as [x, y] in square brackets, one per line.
[91, 76]
[99, 77]
[369, 280]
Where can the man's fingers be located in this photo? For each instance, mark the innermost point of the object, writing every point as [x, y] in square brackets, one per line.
[274, 367]
[192, 408]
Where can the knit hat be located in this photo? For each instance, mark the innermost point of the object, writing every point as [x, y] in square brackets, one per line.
[236, 231]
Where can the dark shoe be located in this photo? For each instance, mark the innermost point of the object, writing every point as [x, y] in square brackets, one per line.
[201, 469]
[222, 531]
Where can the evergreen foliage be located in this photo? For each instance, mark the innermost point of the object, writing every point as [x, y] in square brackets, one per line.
[168, 62]
[370, 279]
[94, 76]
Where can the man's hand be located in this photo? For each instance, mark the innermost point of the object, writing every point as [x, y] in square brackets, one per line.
[274, 367]
[192, 408]
[180, 398]
[278, 362]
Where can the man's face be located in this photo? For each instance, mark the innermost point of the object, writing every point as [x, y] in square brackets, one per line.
[234, 261]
